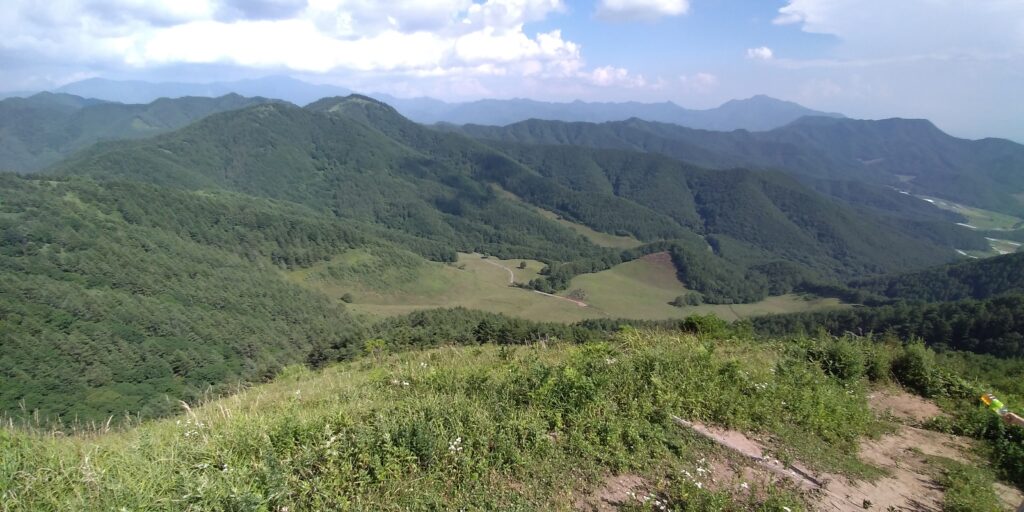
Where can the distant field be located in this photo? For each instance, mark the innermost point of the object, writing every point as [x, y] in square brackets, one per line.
[643, 289]
[977, 217]
[638, 289]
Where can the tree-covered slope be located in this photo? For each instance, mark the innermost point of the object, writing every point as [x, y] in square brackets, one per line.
[975, 279]
[36, 132]
[908, 154]
[123, 298]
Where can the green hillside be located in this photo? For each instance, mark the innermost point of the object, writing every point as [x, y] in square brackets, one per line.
[38, 131]
[126, 298]
[907, 154]
[549, 427]
[977, 279]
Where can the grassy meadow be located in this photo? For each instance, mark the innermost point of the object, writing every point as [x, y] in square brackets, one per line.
[389, 284]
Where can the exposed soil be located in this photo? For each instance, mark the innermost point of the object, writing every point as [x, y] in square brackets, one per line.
[904, 454]
[903, 406]
[614, 492]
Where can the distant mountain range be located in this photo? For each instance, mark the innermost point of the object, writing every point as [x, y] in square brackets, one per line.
[135, 91]
[40, 130]
[755, 114]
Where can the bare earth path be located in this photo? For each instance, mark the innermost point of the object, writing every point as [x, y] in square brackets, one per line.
[910, 484]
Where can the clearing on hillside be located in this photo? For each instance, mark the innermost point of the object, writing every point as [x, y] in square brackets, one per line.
[396, 283]
[643, 289]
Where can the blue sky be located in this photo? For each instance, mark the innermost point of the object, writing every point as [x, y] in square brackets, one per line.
[957, 62]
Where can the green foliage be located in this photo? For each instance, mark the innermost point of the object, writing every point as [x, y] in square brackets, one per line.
[975, 279]
[915, 369]
[991, 326]
[127, 298]
[968, 489]
[705, 325]
[448, 429]
[829, 151]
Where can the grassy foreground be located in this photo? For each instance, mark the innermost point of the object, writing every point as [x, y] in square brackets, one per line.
[486, 427]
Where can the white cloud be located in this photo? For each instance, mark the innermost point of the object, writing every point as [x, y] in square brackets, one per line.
[760, 53]
[417, 37]
[641, 9]
[701, 82]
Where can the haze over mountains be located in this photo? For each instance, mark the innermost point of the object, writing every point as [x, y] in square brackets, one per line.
[756, 113]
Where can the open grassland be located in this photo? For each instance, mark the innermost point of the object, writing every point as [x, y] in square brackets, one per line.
[644, 288]
[472, 282]
[398, 283]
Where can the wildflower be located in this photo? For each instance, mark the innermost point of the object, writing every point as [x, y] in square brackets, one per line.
[456, 445]
[787, 509]
[744, 486]
[699, 485]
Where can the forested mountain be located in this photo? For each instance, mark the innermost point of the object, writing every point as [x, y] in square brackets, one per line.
[360, 159]
[37, 131]
[161, 278]
[976, 279]
[906, 154]
[756, 113]
[127, 297]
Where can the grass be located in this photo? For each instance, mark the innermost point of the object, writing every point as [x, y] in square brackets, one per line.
[400, 288]
[643, 288]
[510, 428]
[968, 488]
[977, 217]
[399, 283]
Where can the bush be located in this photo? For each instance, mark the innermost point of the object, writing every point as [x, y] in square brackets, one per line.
[347, 298]
[705, 325]
[915, 369]
[841, 358]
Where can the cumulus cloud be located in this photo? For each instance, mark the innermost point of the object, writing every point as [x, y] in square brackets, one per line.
[760, 53]
[641, 9]
[418, 37]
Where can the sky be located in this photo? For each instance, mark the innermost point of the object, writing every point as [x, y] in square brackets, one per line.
[959, 63]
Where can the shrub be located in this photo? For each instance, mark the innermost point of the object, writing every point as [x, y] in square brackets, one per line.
[842, 358]
[915, 369]
[705, 325]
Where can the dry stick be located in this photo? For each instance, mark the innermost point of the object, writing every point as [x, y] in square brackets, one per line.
[775, 466]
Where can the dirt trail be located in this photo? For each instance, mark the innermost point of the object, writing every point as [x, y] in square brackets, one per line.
[904, 454]
[512, 281]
